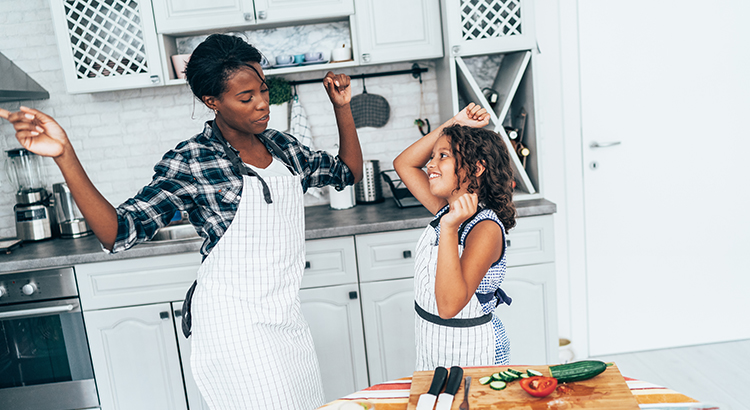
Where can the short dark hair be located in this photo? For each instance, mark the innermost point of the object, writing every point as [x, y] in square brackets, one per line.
[215, 60]
[494, 187]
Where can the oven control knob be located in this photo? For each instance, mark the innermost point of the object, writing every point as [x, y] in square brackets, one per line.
[2, 291]
[29, 288]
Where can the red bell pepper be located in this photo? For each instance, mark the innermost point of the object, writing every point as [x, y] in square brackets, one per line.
[539, 386]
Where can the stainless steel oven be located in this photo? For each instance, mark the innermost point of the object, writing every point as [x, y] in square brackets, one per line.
[44, 355]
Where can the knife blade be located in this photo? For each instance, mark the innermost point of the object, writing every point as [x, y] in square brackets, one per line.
[445, 400]
[427, 400]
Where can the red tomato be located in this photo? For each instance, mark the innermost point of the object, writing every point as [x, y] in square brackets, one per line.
[539, 386]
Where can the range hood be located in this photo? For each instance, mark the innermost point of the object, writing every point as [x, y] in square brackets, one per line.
[16, 85]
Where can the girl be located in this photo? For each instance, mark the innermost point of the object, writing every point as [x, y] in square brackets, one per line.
[460, 260]
[242, 185]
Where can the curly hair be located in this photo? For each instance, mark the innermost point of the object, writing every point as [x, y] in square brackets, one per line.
[494, 187]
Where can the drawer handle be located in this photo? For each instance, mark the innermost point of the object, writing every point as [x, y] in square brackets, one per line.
[307, 264]
[177, 313]
[507, 243]
[352, 295]
[407, 254]
[164, 315]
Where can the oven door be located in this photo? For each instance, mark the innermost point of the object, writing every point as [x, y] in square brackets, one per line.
[44, 357]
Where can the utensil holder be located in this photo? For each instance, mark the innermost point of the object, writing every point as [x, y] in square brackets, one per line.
[369, 190]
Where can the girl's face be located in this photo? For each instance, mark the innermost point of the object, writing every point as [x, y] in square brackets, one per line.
[441, 171]
[244, 105]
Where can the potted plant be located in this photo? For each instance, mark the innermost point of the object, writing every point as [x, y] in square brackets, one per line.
[279, 95]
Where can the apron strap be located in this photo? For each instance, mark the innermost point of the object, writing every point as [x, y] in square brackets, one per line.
[451, 322]
[187, 318]
[500, 294]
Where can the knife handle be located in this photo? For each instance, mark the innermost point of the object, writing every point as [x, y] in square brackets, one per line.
[438, 381]
[454, 380]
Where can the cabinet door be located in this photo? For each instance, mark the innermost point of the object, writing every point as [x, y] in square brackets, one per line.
[330, 261]
[387, 255]
[397, 30]
[335, 320]
[194, 398]
[135, 358]
[107, 46]
[388, 312]
[531, 319]
[489, 26]
[279, 11]
[174, 16]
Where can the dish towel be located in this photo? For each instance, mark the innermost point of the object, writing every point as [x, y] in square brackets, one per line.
[301, 129]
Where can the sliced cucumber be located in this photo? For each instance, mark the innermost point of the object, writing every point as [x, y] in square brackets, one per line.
[497, 385]
[485, 380]
[525, 376]
[497, 376]
[509, 376]
[532, 372]
[515, 372]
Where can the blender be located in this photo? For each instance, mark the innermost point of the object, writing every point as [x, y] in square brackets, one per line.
[33, 209]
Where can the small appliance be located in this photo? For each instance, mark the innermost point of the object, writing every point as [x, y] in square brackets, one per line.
[70, 221]
[33, 209]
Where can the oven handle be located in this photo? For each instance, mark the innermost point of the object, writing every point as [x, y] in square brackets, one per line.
[37, 311]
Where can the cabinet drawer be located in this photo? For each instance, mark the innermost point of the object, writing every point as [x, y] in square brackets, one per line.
[137, 281]
[329, 262]
[531, 241]
[387, 255]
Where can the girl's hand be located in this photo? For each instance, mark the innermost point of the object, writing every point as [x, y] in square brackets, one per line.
[337, 87]
[37, 132]
[473, 116]
[461, 209]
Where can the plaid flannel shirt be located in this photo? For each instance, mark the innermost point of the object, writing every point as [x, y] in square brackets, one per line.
[197, 177]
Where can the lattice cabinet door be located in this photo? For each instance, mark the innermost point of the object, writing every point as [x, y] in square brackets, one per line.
[107, 44]
[476, 27]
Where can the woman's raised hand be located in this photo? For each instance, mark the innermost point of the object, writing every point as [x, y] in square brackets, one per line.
[337, 87]
[37, 131]
[473, 116]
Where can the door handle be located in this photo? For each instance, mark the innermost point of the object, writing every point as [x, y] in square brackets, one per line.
[595, 144]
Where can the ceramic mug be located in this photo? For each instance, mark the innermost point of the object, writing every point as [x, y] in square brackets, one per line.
[179, 61]
[284, 59]
[264, 62]
[299, 58]
[343, 53]
[313, 56]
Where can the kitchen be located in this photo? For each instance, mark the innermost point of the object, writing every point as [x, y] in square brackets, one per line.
[120, 135]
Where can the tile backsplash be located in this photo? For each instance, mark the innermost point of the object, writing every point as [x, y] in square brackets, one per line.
[120, 135]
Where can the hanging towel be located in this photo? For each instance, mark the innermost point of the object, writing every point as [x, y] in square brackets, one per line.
[301, 129]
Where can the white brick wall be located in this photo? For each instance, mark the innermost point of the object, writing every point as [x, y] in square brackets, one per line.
[120, 135]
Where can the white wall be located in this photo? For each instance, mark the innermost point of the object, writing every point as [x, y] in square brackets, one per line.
[120, 135]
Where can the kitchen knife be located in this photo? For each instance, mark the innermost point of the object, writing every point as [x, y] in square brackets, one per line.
[427, 400]
[445, 400]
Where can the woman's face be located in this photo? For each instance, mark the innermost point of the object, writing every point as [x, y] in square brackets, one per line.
[244, 105]
[441, 170]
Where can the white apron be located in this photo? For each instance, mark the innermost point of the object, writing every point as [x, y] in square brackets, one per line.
[251, 347]
[441, 345]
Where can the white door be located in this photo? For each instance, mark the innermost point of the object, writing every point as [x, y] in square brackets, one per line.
[665, 209]
[194, 397]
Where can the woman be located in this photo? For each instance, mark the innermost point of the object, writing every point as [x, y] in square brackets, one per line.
[242, 186]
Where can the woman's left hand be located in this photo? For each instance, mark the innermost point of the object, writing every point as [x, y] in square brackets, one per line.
[461, 209]
[337, 87]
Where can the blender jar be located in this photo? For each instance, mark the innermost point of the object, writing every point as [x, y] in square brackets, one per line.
[25, 171]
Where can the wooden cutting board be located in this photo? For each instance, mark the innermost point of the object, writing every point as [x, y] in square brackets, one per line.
[608, 390]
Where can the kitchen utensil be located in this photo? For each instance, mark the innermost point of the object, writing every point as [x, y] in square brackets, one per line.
[427, 400]
[33, 209]
[445, 400]
[465, 404]
[401, 194]
[369, 189]
[69, 219]
[605, 391]
[8, 244]
[369, 110]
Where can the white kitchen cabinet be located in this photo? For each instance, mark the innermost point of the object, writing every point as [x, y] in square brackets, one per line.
[194, 397]
[135, 358]
[186, 16]
[335, 320]
[107, 46]
[397, 30]
[387, 255]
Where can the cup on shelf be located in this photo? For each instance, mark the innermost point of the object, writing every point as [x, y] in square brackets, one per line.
[284, 59]
[299, 58]
[342, 53]
[179, 62]
[264, 62]
[313, 56]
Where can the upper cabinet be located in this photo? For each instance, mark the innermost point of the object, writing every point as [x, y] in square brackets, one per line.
[184, 16]
[107, 46]
[476, 27]
[397, 30]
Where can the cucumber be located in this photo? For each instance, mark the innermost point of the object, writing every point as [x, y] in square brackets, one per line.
[497, 376]
[485, 380]
[576, 371]
[515, 372]
[532, 372]
[497, 385]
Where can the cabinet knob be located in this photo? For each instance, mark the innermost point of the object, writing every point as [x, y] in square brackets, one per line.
[366, 57]
[262, 15]
[249, 17]
[507, 243]
[307, 265]
[155, 79]
[456, 49]
[352, 295]
[177, 313]
[164, 315]
[407, 254]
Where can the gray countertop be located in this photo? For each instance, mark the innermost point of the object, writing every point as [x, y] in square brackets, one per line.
[321, 222]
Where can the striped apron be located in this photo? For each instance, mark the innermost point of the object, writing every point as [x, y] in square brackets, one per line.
[251, 346]
[467, 339]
